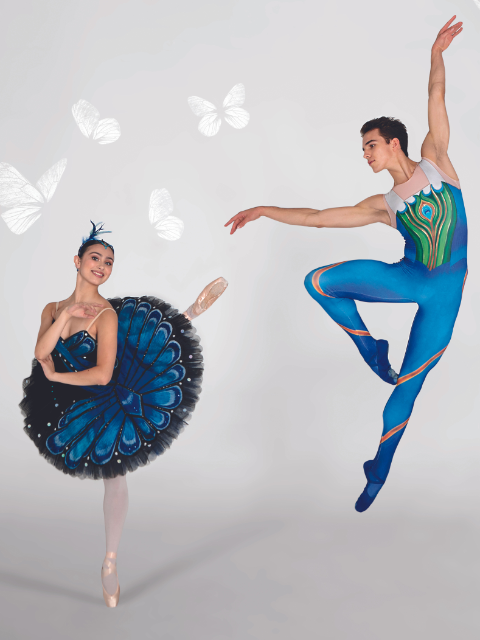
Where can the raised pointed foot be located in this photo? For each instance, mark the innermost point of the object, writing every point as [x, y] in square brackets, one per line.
[207, 297]
[393, 375]
[381, 364]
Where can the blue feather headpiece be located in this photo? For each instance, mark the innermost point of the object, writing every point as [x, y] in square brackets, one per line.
[94, 233]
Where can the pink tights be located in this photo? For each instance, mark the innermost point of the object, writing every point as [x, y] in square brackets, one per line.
[115, 507]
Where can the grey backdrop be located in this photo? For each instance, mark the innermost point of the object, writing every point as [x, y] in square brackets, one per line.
[246, 528]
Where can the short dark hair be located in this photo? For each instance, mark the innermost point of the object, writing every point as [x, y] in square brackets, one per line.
[389, 128]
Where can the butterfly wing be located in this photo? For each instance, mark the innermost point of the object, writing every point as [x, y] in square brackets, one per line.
[235, 97]
[86, 116]
[107, 131]
[20, 218]
[210, 121]
[237, 117]
[209, 124]
[170, 228]
[161, 205]
[15, 190]
[50, 179]
[167, 226]
[200, 107]
[234, 115]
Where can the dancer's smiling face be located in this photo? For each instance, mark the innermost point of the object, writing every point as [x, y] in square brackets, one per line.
[96, 264]
[377, 151]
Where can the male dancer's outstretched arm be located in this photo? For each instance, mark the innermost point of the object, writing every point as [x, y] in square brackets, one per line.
[373, 209]
[368, 211]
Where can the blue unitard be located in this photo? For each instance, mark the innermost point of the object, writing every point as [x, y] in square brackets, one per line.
[428, 211]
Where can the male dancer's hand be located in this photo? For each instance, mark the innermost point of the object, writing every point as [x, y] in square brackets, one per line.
[241, 219]
[446, 34]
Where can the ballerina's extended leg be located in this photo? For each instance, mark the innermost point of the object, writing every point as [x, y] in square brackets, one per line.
[115, 507]
[207, 297]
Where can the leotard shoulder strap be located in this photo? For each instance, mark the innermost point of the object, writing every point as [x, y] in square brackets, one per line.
[426, 172]
[98, 315]
[56, 307]
[435, 175]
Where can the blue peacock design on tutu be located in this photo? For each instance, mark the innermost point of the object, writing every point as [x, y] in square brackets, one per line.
[118, 427]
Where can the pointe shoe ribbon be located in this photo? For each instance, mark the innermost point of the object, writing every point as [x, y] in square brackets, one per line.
[110, 600]
[207, 297]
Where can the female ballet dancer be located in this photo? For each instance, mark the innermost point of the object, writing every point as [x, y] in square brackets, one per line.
[426, 206]
[109, 392]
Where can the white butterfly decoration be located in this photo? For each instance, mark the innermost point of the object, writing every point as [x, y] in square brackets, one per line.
[233, 113]
[88, 120]
[26, 200]
[160, 215]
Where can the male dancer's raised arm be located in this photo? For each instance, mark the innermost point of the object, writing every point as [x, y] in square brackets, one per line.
[435, 145]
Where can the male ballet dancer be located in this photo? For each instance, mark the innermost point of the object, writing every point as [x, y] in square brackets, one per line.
[426, 206]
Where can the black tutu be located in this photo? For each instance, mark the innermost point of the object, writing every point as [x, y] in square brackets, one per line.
[105, 431]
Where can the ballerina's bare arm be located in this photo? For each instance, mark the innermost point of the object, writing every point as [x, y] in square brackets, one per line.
[50, 332]
[368, 211]
[101, 373]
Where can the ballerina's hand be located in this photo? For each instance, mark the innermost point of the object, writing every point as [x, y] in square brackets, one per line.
[241, 219]
[83, 309]
[447, 34]
[48, 367]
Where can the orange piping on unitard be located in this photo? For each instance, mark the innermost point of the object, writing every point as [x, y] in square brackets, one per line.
[420, 369]
[464, 280]
[317, 287]
[316, 278]
[356, 332]
[393, 431]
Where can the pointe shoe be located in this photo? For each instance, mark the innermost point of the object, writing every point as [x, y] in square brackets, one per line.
[207, 297]
[110, 601]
